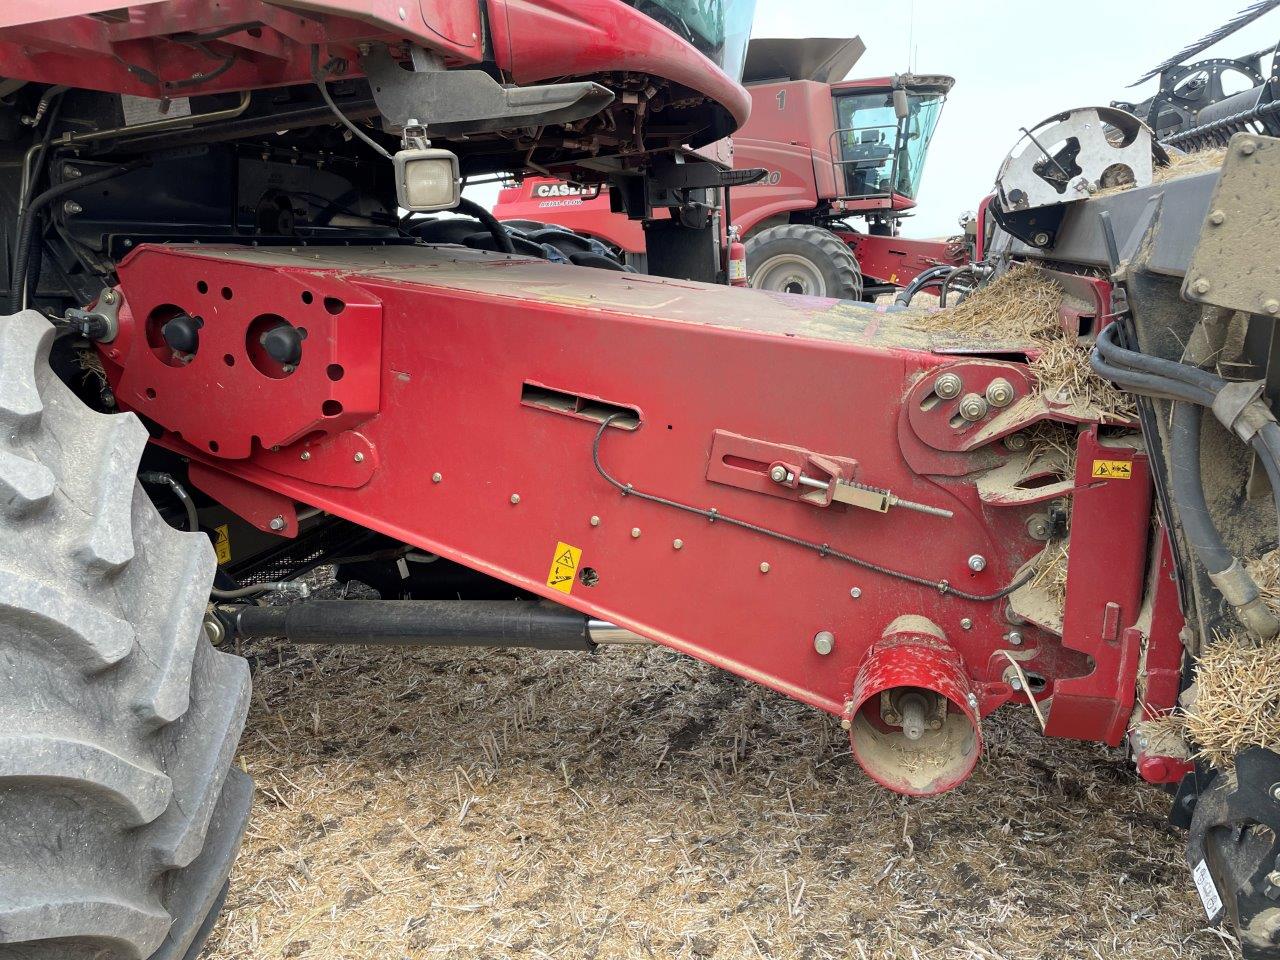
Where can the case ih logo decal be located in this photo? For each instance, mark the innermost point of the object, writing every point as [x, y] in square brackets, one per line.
[561, 189]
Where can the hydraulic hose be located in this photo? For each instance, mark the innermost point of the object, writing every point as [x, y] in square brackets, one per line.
[927, 278]
[28, 225]
[1119, 356]
[492, 223]
[1188, 489]
[179, 491]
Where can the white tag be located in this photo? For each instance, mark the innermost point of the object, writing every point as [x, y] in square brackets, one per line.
[1208, 892]
[737, 269]
[146, 110]
[403, 566]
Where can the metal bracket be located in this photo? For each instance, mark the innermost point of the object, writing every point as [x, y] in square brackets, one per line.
[452, 102]
[1229, 267]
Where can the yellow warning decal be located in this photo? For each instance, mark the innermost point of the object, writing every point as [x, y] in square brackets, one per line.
[1113, 469]
[564, 567]
[222, 543]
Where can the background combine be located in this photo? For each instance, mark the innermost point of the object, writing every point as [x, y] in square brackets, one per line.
[827, 153]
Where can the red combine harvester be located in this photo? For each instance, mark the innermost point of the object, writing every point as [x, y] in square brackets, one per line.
[238, 346]
[832, 151]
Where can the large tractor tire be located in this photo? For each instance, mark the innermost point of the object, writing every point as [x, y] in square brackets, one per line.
[802, 258]
[120, 812]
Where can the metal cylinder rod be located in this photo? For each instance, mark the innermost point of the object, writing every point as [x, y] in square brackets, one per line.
[419, 623]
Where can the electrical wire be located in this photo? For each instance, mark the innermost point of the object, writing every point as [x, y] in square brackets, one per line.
[318, 75]
[822, 549]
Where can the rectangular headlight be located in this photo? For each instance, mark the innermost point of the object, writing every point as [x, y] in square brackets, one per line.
[427, 179]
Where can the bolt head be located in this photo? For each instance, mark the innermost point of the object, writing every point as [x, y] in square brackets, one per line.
[1271, 306]
[1275, 792]
[1041, 239]
[977, 563]
[1247, 148]
[677, 544]
[277, 523]
[1016, 442]
[846, 723]
[764, 568]
[999, 392]
[948, 386]
[595, 521]
[635, 531]
[856, 592]
[108, 296]
[358, 457]
[966, 623]
[973, 407]
[305, 455]
[437, 477]
[1201, 286]
[824, 642]
[515, 498]
[778, 473]
[1217, 218]
[1015, 638]
[1015, 684]
[401, 12]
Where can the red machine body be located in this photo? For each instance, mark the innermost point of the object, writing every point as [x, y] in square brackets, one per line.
[159, 48]
[450, 398]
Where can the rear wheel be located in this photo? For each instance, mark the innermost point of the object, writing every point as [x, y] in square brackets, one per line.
[120, 813]
[804, 259]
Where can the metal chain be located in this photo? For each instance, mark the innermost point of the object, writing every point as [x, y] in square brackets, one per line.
[824, 550]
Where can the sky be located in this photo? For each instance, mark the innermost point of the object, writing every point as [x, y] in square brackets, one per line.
[1016, 62]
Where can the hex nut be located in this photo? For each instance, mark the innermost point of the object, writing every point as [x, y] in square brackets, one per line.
[855, 592]
[595, 521]
[1271, 306]
[977, 563]
[764, 568]
[358, 457]
[966, 623]
[824, 642]
[973, 407]
[1217, 218]
[677, 544]
[635, 532]
[277, 523]
[1016, 442]
[778, 473]
[948, 386]
[999, 392]
[1201, 286]
[436, 477]
[515, 498]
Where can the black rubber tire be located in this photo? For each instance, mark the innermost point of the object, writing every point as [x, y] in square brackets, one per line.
[829, 261]
[120, 811]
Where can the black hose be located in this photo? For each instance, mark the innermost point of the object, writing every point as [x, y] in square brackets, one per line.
[924, 279]
[1149, 384]
[1188, 489]
[1119, 356]
[492, 223]
[28, 224]
[1266, 443]
[179, 491]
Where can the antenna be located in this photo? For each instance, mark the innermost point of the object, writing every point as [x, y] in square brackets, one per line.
[911, 34]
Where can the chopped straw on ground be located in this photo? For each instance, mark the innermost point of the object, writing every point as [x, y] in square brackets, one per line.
[1021, 306]
[1236, 701]
[636, 804]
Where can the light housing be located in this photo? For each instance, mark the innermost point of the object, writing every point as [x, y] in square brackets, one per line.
[427, 179]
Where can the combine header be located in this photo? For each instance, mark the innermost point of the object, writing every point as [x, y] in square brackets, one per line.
[905, 518]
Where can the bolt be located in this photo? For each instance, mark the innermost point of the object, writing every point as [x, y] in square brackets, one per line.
[677, 544]
[277, 523]
[1217, 218]
[1271, 306]
[973, 702]
[1275, 792]
[437, 477]
[966, 623]
[1038, 527]
[973, 407]
[71, 208]
[595, 521]
[1016, 442]
[401, 12]
[70, 172]
[846, 723]
[358, 457]
[213, 629]
[635, 532]
[1015, 684]
[1041, 239]
[515, 498]
[977, 563]
[1014, 637]
[1201, 286]
[824, 642]
[305, 455]
[764, 568]
[856, 592]
[108, 296]
[999, 392]
[778, 473]
[948, 386]
[1247, 148]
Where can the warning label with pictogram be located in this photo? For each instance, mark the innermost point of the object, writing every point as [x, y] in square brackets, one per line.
[222, 543]
[1113, 469]
[564, 567]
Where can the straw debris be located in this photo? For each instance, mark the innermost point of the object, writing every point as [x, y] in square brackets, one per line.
[1021, 306]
